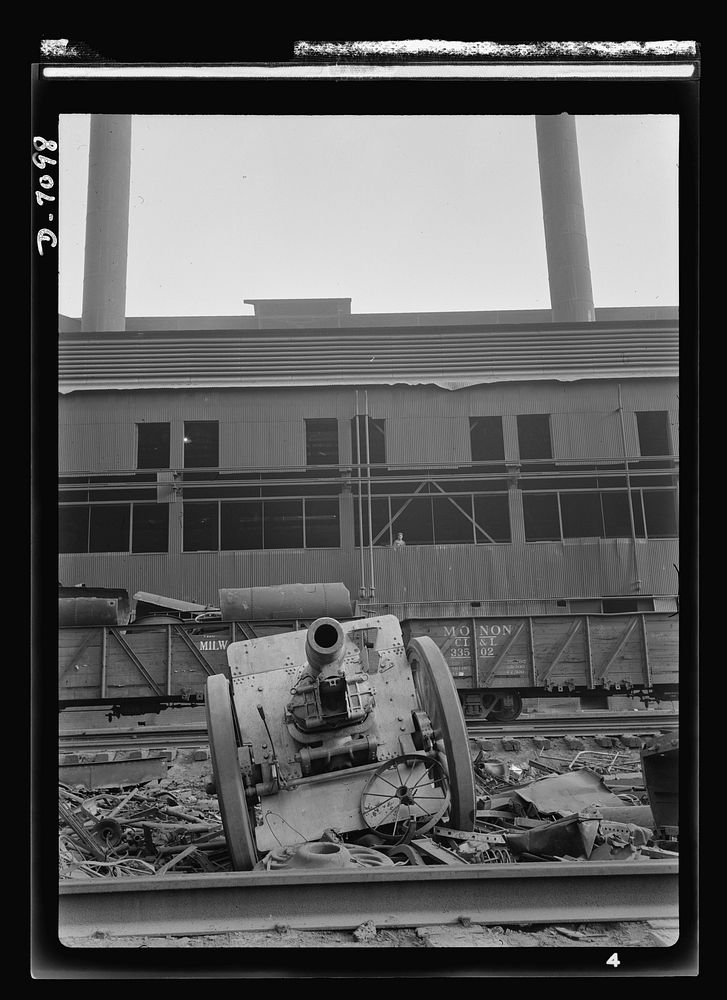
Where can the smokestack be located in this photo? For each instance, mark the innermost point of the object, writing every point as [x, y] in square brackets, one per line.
[107, 224]
[569, 274]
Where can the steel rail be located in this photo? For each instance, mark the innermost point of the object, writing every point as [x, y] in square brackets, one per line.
[164, 737]
[395, 897]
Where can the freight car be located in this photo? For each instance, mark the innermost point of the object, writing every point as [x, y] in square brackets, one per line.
[162, 661]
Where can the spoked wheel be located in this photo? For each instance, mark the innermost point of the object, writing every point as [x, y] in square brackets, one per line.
[506, 707]
[230, 789]
[438, 697]
[405, 797]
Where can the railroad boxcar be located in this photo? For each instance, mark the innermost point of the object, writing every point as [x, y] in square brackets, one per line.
[496, 661]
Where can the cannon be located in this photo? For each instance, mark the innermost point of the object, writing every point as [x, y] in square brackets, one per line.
[336, 727]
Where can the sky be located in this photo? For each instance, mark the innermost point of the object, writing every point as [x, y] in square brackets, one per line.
[398, 213]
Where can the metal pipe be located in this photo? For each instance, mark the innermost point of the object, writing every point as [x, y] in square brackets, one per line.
[372, 589]
[107, 224]
[362, 588]
[637, 580]
[103, 662]
[566, 245]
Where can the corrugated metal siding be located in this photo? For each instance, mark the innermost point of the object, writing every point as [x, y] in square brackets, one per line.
[419, 574]
[428, 439]
[447, 356]
[264, 443]
[594, 433]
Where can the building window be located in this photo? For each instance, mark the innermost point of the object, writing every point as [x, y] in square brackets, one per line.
[109, 528]
[377, 441]
[201, 526]
[653, 430]
[283, 524]
[201, 444]
[492, 515]
[150, 527]
[533, 432]
[486, 439]
[459, 519]
[322, 524]
[139, 527]
[309, 522]
[452, 520]
[660, 513]
[321, 441]
[242, 525]
[540, 512]
[581, 515]
[616, 519]
[152, 446]
[73, 529]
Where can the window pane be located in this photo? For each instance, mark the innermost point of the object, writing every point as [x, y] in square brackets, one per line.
[581, 514]
[616, 520]
[283, 524]
[200, 527]
[242, 525]
[109, 528]
[150, 531]
[414, 521]
[321, 441]
[540, 511]
[152, 446]
[73, 529]
[322, 524]
[661, 515]
[379, 521]
[486, 439]
[653, 428]
[533, 431]
[450, 524]
[377, 441]
[201, 444]
[492, 515]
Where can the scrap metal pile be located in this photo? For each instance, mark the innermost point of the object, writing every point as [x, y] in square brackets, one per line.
[147, 830]
[530, 812]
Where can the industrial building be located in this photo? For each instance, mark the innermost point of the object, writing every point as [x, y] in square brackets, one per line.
[529, 459]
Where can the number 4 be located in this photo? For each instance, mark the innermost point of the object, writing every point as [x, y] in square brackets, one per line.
[613, 960]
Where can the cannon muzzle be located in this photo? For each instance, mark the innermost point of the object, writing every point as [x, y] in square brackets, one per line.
[324, 644]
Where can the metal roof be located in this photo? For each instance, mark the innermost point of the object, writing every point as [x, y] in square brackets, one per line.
[448, 356]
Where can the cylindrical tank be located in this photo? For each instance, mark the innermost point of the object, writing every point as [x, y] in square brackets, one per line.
[290, 600]
[93, 606]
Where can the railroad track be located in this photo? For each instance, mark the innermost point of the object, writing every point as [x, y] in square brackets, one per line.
[547, 892]
[179, 737]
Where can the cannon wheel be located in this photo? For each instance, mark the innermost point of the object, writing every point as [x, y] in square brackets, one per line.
[437, 696]
[219, 709]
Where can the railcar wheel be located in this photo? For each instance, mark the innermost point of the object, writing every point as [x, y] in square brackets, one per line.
[506, 708]
[405, 795]
[438, 697]
[219, 709]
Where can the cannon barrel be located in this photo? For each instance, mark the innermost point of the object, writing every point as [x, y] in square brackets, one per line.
[324, 643]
